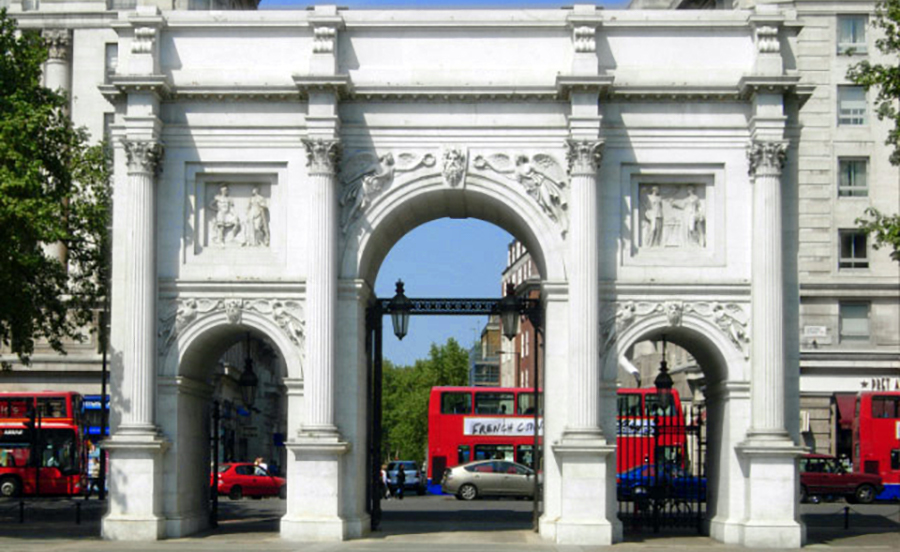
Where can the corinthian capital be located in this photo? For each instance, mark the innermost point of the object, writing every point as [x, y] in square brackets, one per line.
[143, 155]
[322, 156]
[57, 42]
[766, 158]
[584, 156]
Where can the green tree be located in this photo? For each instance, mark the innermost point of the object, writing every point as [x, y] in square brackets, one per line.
[885, 229]
[53, 190]
[405, 394]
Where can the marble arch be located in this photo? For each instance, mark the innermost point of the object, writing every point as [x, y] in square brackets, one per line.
[649, 132]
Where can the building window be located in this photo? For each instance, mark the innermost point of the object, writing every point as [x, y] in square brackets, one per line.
[851, 34]
[853, 180]
[111, 61]
[854, 321]
[851, 106]
[853, 249]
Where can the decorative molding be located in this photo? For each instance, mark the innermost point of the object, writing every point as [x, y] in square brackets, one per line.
[144, 39]
[324, 39]
[58, 42]
[143, 155]
[322, 156]
[767, 39]
[585, 39]
[730, 318]
[766, 158]
[584, 156]
[365, 176]
[540, 175]
[455, 161]
[180, 314]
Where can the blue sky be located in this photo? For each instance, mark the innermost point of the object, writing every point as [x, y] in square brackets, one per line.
[444, 258]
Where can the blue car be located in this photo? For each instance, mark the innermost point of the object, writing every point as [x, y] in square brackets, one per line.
[664, 481]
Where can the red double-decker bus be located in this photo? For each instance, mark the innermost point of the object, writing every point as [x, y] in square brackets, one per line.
[41, 448]
[477, 423]
[876, 439]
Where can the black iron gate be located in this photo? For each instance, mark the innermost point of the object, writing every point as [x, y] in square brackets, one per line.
[662, 458]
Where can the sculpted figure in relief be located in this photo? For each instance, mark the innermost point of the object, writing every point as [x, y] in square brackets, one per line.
[359, 192]
[694, 217]
[226, 220]
[653, 213]
[543, 189]
[257, 231]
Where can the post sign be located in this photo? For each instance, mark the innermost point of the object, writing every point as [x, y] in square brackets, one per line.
[502, 427]
[636, 427]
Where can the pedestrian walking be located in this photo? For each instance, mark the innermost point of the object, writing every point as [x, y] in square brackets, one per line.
[385, 487]
[401, 481]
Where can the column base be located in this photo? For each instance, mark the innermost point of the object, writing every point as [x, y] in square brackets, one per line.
[314, 489]
[588, 482]
[773, 503]
[135, 486]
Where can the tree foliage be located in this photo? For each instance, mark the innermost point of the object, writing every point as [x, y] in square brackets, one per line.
[53, 190]
[885, 229]
[405, 397]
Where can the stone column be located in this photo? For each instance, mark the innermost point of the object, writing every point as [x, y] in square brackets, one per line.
[322, 159]
[767, 292]
[314, 501]
[57, 76]
[583, 415]
[587, 499]
[140, 270]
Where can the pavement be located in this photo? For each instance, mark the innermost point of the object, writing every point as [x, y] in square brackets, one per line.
[417, 524]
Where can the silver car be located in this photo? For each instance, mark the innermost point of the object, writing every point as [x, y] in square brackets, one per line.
[489, 478]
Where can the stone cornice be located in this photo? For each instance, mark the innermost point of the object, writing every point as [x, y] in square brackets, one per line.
[121, 85]
[247, 289]
[338, 84]
[567, 84]
[751, 85]
[234, 93]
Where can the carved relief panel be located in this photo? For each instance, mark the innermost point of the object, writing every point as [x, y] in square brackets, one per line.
[673, 215]
[237, 214]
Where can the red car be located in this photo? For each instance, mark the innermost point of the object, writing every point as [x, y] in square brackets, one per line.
[240, 479]
[823, 475]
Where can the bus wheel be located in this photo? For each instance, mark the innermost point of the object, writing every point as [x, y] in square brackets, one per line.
[10, 487]
[864, 494]
[236, 493]
[468, 492]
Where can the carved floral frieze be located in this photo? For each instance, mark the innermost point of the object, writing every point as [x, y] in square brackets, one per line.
[322, 156]
[144, 38]
[766, 157]
[57, 42]
[143, 155]
[767, 39]
[730, 318]
[178, 315]
[324, 40]
[366, 175]
[541, 177]
[585, 39]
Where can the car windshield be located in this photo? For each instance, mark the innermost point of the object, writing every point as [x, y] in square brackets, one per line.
[407, 466]
[224, 467]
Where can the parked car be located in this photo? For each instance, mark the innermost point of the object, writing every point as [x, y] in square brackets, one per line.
[823, 476]
[660, 481]
[240, 479]
[414, 480]
[489, 478]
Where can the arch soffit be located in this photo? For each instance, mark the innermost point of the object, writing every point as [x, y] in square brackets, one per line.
[204, 341]
[718, 356]
[422, 200]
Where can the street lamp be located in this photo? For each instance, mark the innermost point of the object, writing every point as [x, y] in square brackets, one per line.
[509, 312]
[400, 307]
[248, 381]
[663, 381]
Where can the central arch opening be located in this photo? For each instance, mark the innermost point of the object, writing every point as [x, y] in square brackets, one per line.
[448, 374]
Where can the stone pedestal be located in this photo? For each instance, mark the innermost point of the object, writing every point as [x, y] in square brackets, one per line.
[772, 496]
[588, 509]
[135, 487]
[314, 492]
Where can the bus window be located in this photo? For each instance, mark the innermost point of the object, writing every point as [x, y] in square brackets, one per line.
[494, 452]
[456, 403]
[14, 408]
[885, 407]
[895, 459]
[52, 407]
[463, 454]
[525, 455]
[655, 408]
[526, 404]
[494, 403]
[629, 404]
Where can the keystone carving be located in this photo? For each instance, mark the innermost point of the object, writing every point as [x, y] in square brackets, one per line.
[456, 162]
[542, 178]
[365, 176]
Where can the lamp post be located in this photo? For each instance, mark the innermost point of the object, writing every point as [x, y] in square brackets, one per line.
[248, 382]
[663, 384]
[400, 307]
